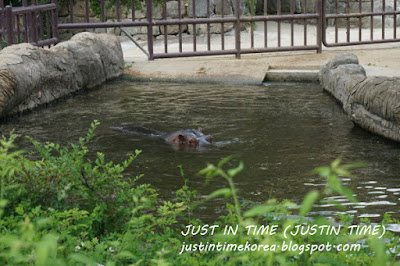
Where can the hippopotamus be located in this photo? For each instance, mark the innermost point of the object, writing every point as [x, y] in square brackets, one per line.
[184, 137]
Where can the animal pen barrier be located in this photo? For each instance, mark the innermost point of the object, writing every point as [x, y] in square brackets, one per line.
[209, 27]
[35, 24]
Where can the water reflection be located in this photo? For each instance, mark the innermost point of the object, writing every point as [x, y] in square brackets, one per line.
[281, 133]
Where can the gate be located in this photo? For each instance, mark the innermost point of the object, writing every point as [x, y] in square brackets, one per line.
[212, 27]
[223, 35]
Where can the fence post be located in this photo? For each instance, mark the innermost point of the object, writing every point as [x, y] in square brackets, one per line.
[320, 25]
[237, 29]
[34, 33]
[150, 28]
[10, 25]
[54, 15]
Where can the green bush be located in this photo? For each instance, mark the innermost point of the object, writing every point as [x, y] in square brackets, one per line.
[62, 205]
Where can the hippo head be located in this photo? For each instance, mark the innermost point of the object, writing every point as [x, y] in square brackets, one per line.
[189, 137]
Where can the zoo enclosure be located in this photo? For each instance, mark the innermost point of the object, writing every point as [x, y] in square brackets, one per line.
[212, 27]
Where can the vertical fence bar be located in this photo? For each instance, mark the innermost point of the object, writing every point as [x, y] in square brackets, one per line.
[149, 15]
[265, 24]
[87, 10]
[252, 24]
[372, 21]
[71, 11]
[291, 24]
[279, 22]
[208, 27]
[222, 26]
[48, 24]
[305, 23]
[237, 29]
[180, 26]
[360, 21]
[383, 18]
[1, 22]
[34, 33]
[41, 26]
[194, 26]
[54, 16]
[102, 12]
[18, 29]
[1, 18]
[165, 27]
[118, 11]
[336, 22]
[9, 23]
[133, 9]
[395, 21]
[25, 22]
[348, 21]
[320, 24]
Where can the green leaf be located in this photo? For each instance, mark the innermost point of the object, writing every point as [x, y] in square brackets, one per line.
[225, 160]
[322, 171]
[336, 163]
[3, 203]
[46, 250]
[82, 259]
[235, 171]
[349, 194]
[226, 192]
[308, 202]
[257, 211]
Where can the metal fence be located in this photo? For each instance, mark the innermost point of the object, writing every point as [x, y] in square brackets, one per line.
[208, 27]
[364, 22]
[243, 43]
[35, 24]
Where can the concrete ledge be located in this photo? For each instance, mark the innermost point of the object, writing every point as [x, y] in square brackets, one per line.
[308, 76]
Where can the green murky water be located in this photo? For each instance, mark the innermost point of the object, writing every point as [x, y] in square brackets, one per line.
[281, 132]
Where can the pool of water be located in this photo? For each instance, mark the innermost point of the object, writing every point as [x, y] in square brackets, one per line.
[280, 132]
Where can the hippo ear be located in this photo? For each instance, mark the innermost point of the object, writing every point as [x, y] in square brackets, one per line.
[181, 138]
[200, 129]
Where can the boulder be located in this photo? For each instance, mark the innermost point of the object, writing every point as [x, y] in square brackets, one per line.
[200, 8]
[373, 103]
[340, 75]
[31, 76]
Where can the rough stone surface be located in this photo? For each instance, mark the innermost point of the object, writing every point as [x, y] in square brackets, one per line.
[31, 76]
[173, 9]
[227, 7]
[200, 8]
[340, 75]
[285, 6]
[373, 103]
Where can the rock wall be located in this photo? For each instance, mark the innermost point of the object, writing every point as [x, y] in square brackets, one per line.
[371, 102]
[31, 76]
[79, 12]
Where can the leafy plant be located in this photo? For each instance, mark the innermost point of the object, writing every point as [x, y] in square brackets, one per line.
[64, 205]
